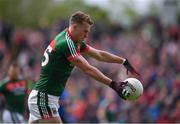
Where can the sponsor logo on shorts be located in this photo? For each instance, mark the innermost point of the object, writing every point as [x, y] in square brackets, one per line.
[54, 111]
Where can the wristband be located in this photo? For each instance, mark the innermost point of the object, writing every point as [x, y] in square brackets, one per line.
[112, 84]
[123, 61]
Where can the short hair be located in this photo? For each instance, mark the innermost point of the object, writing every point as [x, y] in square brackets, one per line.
[80, 17]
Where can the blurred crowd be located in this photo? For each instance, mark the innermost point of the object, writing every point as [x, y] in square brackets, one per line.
[153, 49]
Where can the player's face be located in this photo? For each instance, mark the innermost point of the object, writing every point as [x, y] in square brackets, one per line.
[13, 72]
[82, 31]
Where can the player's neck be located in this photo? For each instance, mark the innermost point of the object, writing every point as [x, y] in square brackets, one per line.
[71, 34]
[12, 77]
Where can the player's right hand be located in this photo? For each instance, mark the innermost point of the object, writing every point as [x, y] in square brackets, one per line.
[130, 68]
[119, 88]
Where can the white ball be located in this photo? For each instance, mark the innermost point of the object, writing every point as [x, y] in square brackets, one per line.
[134, 88]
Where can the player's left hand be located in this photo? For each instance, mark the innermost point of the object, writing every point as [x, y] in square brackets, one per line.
[130, 68]
[119, 88]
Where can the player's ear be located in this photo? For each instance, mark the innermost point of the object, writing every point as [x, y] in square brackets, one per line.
[74, 26]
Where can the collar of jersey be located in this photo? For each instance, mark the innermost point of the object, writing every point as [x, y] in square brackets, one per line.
[67, 29]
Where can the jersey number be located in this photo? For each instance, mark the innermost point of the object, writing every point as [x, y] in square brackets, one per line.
[46, 56]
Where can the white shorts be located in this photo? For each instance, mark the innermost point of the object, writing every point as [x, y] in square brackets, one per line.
[12, 117]
[42, 106]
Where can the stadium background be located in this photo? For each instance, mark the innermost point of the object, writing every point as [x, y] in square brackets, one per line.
[150, 40]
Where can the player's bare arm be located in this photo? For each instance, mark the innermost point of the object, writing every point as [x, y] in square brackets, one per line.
[80, 62]
[110, 58]
[104, 56]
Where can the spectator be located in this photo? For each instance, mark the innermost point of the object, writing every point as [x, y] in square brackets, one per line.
[13, 87]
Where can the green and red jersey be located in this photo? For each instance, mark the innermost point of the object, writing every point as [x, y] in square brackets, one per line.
[56, 64]
[14, 92]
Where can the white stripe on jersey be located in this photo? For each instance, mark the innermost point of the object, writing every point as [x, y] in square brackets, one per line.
[71, 46]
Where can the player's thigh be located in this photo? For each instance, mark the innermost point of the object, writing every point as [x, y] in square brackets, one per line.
[43, 107]
[49, 120]
[6, 117]
[12, 117]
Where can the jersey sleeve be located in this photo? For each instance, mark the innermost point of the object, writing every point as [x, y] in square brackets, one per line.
[68, 49]
[84, 47]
